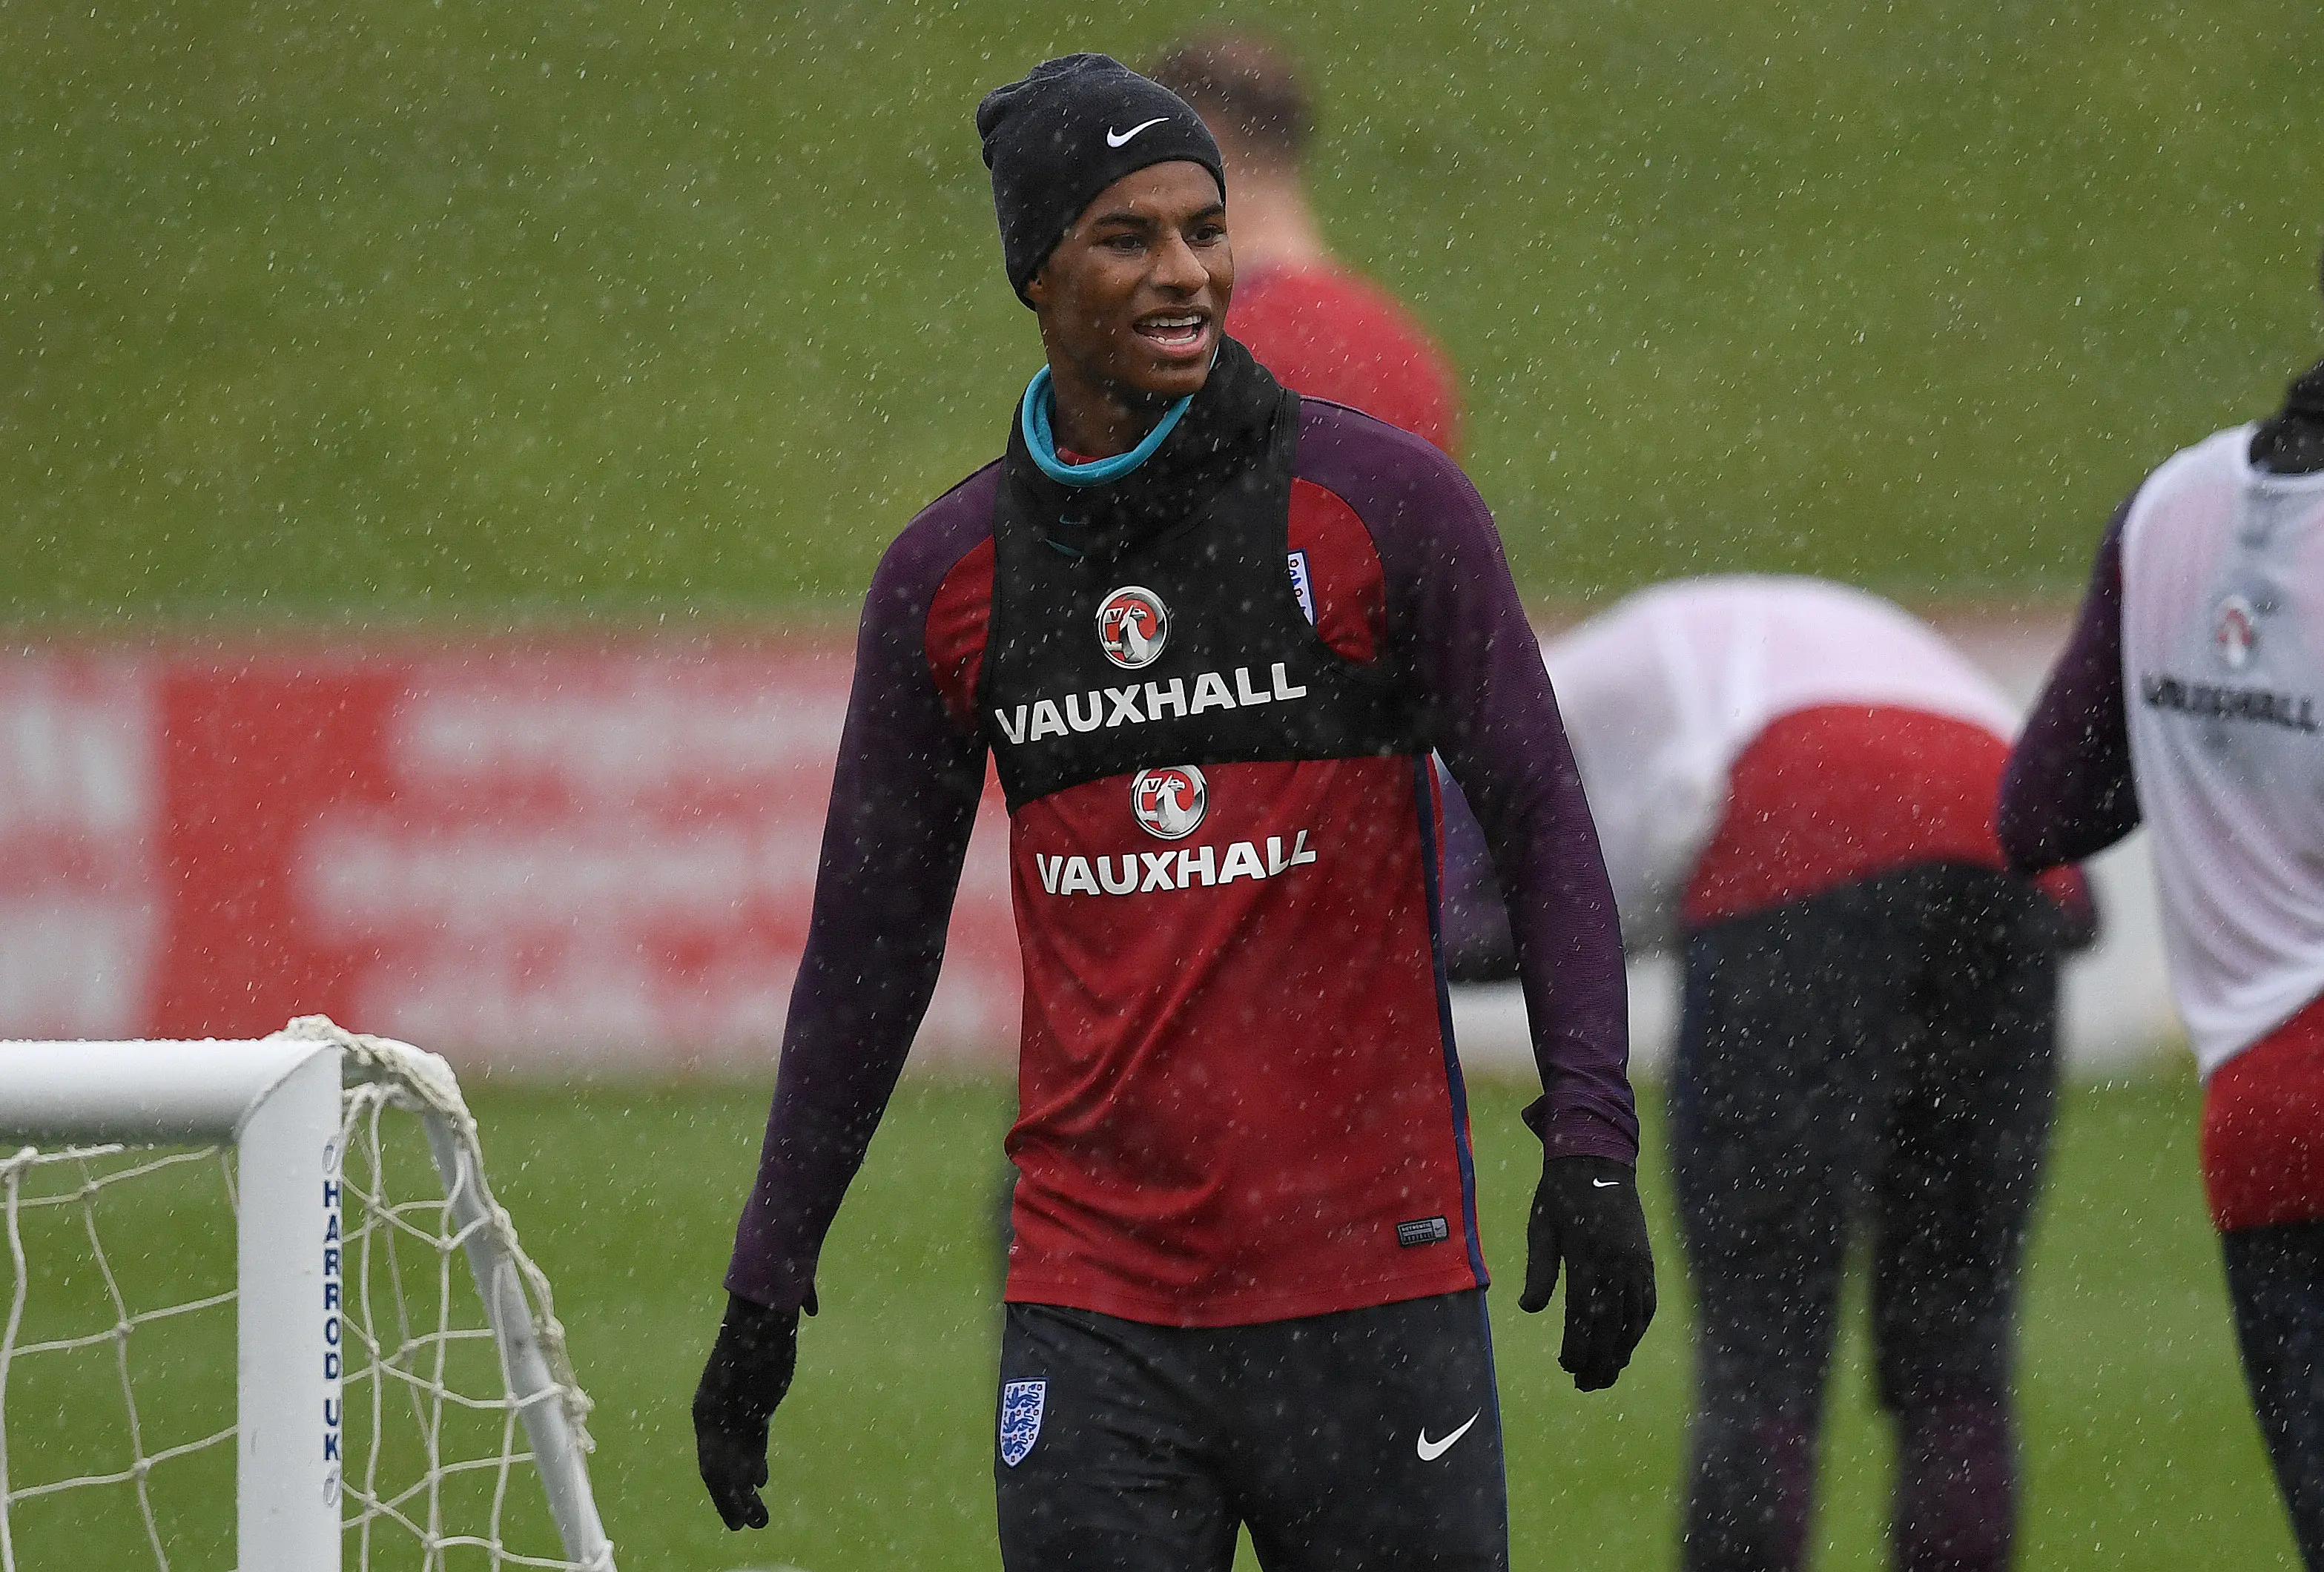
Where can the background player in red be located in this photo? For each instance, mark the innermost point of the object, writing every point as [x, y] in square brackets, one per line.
[1210, 636]
[1318, 327]
[2190, 695]
[1795, 783]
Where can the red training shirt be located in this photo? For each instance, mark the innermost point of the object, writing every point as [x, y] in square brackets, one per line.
[1118, 1121]
[1827, 795]
[1239, 1100]
[2263, 1128]
[1330, 334]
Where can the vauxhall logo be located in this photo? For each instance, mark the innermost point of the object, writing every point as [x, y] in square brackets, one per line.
[2219, 701]
[1140, 703]
[1169, 802]
[1132, 625]
[1140, 872]
[2234, 632]
[1169, 805]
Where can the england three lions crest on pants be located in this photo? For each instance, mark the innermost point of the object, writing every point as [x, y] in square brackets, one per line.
[1021, 1403]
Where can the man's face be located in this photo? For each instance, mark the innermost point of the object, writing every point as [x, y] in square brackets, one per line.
[1131, 300]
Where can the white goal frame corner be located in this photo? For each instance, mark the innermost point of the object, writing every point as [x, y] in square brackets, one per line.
[279, 1101]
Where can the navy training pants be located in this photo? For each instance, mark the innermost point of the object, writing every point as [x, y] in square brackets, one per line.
[1367, 1440]
[1882, 1054]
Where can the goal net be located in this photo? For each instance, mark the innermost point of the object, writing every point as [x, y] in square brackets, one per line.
[265, 1313]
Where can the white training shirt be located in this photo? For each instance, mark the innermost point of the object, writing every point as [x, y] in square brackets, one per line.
[1664, 691]
[2222, 612]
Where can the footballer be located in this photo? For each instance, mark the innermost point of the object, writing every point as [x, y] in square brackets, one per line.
[2190, 696]
[1794, 784]
[1210, 633]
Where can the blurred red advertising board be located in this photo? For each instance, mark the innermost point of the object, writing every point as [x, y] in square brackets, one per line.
[517, 853]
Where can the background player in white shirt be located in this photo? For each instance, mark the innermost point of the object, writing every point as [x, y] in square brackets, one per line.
[2191, 695]
[1793, 783]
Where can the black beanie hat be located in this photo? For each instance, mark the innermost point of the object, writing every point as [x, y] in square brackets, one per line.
[1069, 130]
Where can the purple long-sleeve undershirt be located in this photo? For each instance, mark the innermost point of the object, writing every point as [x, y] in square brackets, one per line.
[2068, 792]
[1454, 609]
[903, 800]
[905, 793]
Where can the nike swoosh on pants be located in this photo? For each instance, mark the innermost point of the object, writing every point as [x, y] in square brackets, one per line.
[1432, 1450]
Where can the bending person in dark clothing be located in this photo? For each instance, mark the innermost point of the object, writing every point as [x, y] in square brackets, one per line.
[1246, 1285]
[1794, 784]
[2191, 695]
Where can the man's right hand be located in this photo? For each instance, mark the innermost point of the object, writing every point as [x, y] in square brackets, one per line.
[748, 1371]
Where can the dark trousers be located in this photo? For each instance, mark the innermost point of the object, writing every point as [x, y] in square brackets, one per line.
[1884, 1053]
[2275, 1281]
[1364, 1441]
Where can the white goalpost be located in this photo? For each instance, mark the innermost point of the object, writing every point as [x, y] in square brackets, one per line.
[386, 1407]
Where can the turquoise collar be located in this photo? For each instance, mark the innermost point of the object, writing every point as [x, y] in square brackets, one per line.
[1033, 421]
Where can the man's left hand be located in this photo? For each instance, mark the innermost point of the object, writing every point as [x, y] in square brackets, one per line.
[1586, 1216]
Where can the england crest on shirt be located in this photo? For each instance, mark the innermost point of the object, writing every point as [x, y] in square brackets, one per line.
[1021, 1403]
[1302, 584]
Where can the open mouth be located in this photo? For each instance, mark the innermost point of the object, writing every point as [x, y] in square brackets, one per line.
[1174, 332]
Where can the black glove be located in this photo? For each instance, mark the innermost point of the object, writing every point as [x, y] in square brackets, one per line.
[1586, 1214]
[749, 1372]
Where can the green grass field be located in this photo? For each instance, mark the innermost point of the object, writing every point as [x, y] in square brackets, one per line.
[2141, 1449]
[678, 310]
[638, 314]
[2141, 1452]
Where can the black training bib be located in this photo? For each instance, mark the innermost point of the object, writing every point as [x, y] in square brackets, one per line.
[1189, 647]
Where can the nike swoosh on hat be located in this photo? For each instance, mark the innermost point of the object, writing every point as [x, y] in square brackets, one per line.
[1118, 139]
